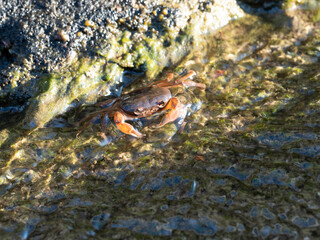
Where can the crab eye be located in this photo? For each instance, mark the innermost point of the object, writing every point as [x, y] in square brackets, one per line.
[140, 109]
[160, 103]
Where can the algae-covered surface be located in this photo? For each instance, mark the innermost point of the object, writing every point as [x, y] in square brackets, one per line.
[244, 163]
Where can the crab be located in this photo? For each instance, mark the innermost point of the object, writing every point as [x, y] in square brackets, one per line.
[144, 102]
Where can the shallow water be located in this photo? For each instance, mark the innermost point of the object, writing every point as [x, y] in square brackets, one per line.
[245, 163]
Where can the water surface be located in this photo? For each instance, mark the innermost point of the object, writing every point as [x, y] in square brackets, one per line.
[246, 161]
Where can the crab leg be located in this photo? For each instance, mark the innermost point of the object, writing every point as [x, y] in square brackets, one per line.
[188, 83]
[165, 81]
[82, 128]
[182, 82]
[87, 122]
[176, 108]
[119, 119]
[107, 102]
[190, 74]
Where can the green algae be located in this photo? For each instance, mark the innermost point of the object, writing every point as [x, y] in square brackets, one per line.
[311, 5]
[58, 91]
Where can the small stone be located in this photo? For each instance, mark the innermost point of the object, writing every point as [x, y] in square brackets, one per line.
[89, 23]
[165, 11]
[62, 36]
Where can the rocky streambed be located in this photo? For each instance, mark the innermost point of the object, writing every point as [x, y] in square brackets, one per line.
[244, 163]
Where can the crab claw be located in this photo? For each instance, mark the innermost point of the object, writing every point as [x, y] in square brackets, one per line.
[176, 109]
[119, 119]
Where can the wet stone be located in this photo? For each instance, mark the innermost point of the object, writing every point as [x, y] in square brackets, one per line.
[173, 181]
[77, 202]
[172, 197]
[231, 229]
[304, 165]
[305, 222]
[255, 232]
[203, 226]
[283, 216]
[154, 185]
[265, 231]
[230, 171]
[254, 212]
[100, 220]
[275, 177]
[164, 207]
[219, 199]
[221, 181]
[309, 151]
[184, 209]
[277, 140]
[267, 214]
[47, 209]
[153, 227]
[136, 182]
